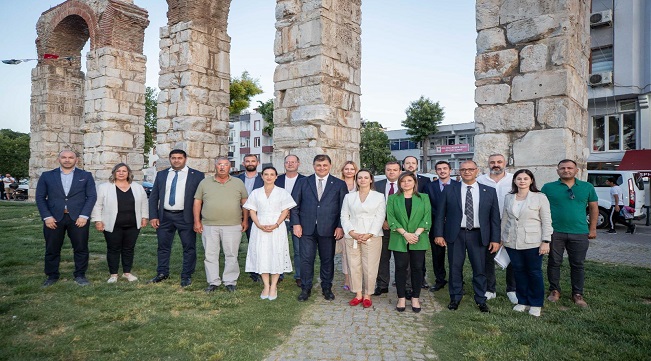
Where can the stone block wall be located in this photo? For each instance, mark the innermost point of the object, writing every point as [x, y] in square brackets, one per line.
[530, 71]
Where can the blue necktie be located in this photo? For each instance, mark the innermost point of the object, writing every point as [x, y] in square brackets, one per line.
[173, 188]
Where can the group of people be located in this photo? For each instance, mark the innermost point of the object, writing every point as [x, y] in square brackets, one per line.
[403, 215]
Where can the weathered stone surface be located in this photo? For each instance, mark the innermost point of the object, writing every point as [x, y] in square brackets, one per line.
[540, 84]
[532, 29]
[496, 64]
[514, 10]
[533, 58]
[561, 112]
[492, 94]
[491, 143]
[490, 40]
[514, 117]
[487, 14]
[545, 147]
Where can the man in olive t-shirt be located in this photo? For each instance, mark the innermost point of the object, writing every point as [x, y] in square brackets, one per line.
[220, 218]
[568, 199]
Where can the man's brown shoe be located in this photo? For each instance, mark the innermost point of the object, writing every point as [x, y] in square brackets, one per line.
[579, 301]
[554, 296]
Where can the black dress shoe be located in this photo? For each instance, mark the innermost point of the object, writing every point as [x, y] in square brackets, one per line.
[483, 307]
[424, 284]
[380, 290]
[185, 282]
[49, 282]
[305, 294]
[400, 309]
[453, 305]
[160, 277]
[328, 295]
[299, 283]
[82, 281]
[254, 277]
[231, 288]
[415, 309]
[408, 294]
[437, 286]
[211, 288]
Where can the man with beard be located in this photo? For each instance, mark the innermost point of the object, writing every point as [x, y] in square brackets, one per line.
[252, 180]
[501, 180]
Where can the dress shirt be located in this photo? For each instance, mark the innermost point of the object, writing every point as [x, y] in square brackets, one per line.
[289, 183]
[325, 181]
[443, 185]
[503, 187]
[66, 180]
[179, 201]
[388, 188]
[249, 182]
[475, 203]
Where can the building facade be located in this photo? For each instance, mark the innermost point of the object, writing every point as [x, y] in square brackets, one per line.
[246, 137]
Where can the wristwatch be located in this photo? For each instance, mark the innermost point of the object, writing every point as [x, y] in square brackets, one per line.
[546, 241]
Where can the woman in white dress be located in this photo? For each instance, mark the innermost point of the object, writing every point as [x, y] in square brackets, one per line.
[268, 252]
[362, 216]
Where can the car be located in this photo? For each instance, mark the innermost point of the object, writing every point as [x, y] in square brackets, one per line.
[630, 182]
[148, 186]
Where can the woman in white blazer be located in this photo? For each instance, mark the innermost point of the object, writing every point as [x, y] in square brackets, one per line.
[526, 234]
[362, 215]
[120, 211]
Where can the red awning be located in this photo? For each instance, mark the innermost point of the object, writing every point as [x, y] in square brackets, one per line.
[636, 160]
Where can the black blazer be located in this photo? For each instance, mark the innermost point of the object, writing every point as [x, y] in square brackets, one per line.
[422, 183]
[157, 196]
[434, 192]
[256, 184]
[51, 199]
[309, 209]
[450, 212]
[280, 181]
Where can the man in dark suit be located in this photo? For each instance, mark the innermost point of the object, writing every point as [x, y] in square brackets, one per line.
[288, 181]
[410, 163]
[252, 180]
[434, 191]
[65, 197]
[316, 220]
[388, 186]
[170, 211]
[468, 219]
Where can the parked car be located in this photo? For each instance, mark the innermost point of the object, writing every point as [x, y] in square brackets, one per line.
[148, 186]
[630, 182]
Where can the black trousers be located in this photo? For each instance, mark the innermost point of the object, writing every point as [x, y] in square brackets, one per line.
[383, 272]
[171, 223]
[615, 217]
[121, 243]
[326, 247]
[411, 259]
[490, 274]
[438, 261]
[54, 241]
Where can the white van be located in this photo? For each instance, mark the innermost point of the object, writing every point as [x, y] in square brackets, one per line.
[630, 182]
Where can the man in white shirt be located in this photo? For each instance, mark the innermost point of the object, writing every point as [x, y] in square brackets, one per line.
[616, 204]
[388, 186]
[501, 180]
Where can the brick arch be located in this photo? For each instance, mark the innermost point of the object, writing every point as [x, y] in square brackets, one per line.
[58, 15]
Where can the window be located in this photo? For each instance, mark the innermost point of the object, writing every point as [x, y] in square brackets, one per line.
[256, 142]
[614, 132]
[256, 125]
[451, 140]
[245, 143]
[601, 60]
[402, 144]
[599, 180]
[231, 136]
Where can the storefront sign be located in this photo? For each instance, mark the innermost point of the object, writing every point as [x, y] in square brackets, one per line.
[457, 148]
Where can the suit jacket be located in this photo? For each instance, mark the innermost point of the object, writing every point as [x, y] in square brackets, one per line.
[256, 184]
[157, 196]
[280, 181]
[366, 217]
[420, 218]
[434, 192]
[309, 209]
[422, 183]
[106, 207]
[531, 226]
[51, 199]
[450, 212]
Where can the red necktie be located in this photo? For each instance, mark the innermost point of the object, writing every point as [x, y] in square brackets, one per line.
[391, 190]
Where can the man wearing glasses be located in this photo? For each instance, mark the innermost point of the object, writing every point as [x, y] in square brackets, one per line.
[568, 199]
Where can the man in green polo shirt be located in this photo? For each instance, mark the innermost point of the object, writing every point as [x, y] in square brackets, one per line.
[219, 217]
[568, 199]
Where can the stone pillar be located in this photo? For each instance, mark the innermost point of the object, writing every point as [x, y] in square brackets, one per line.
[531, 70]
[194, 83]
[317, 80]
[114, 114]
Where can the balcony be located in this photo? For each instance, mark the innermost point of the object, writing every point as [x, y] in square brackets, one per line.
[245, 133]
[267, 149]
[245, 150]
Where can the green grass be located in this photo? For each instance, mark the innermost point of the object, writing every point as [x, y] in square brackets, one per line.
[616, 326]
[127, 320]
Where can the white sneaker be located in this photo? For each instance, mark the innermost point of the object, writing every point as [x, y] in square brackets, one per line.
[520, 308]
[112, 279]
[512, 297]
[130, 277]
[535, 311]
[490, 295]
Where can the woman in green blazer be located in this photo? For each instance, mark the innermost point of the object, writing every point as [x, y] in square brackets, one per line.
[409, 214]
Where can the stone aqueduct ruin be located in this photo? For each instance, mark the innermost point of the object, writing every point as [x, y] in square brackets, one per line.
[530, 70]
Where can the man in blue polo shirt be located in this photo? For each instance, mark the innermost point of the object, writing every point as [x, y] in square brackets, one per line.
[568, 199]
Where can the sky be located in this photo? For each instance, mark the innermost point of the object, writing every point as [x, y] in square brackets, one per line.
[409, 48]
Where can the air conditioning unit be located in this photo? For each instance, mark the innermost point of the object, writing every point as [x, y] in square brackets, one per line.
[601, 79]
[601, 18]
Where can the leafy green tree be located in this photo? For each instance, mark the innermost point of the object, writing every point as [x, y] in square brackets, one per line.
[242, 90]
[374, 151]
[266, 109]
[423, 118]
[151, 104]
[14, 153]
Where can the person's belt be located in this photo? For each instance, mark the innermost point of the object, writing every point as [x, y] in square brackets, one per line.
[173, 211]
[470, 230]
[65, 210]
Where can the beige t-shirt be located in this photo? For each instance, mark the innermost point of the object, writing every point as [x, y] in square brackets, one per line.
[222, 203]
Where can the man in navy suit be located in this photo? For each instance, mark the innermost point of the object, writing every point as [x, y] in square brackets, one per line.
[170, 211]
[252, 180]
[434, 191]
[316, 221]
[468, 219]
[65, 197]
[288, 181]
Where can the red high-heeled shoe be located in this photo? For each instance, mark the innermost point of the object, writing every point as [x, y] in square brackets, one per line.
[355, 301]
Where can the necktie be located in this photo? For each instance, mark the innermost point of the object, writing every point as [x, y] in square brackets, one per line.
[391, 189]
[320, 188]
[173, 188]
[470, 214]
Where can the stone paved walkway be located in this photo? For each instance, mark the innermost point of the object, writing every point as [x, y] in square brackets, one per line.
[623, 248]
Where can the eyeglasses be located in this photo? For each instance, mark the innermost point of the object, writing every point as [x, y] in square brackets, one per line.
[465, 170]
[571, 193]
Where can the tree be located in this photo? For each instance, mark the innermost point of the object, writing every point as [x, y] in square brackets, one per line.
[374, 151]
[242, 90]
[266, 109]
[423, 118]
[14, 153]
[151, 124]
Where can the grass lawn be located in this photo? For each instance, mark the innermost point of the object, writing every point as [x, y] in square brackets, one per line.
[616, 326]
[127, 320]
